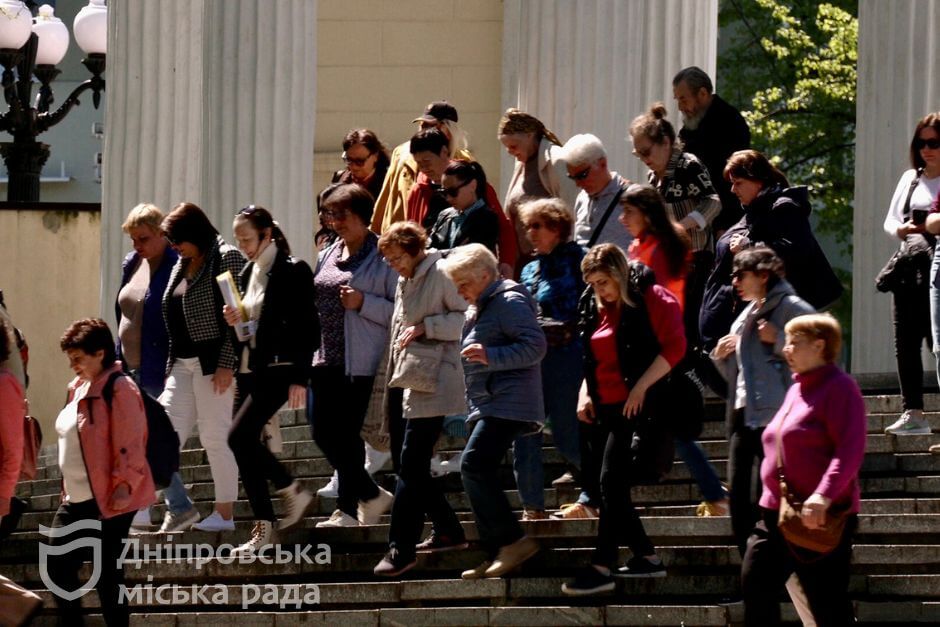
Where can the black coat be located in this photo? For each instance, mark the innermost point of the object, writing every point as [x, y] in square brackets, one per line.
[481, 226]
[289, 326]
[720, 133]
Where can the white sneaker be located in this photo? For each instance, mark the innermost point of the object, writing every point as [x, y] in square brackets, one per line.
[262, 537]
[339, 519]
[331, 488]
[179, 522]
[371, 511]
[376, 460]
[911, 422]
[296, 502]
[215, 522]
[441, 467]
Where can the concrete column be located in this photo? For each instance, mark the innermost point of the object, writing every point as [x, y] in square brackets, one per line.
[898, 83]
[209, 101]
[591, 66]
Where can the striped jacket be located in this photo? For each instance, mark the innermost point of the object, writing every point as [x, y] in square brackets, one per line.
[202, 306]
[688, 191]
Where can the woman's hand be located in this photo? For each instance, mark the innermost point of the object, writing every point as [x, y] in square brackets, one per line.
[221, 380]
[121, 497]
[296, 396]
[726, 346]
[410, 334]
[767, 331]
[634, 403]
[737, 243]
[909, 227]
[814, 511]
[585, 405]
[232, 316]
[351, 298]
[475, 353]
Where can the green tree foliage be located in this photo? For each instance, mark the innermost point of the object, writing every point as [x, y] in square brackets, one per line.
[791, 67]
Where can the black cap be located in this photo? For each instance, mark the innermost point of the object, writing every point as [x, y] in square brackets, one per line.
[438, 111]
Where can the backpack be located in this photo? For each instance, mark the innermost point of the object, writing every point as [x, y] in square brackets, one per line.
[163, 443]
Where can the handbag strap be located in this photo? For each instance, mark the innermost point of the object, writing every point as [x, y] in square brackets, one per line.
[779, 438]
[605, 217]
[906, 212]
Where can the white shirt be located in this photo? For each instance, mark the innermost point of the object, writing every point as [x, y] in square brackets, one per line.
[71, 462]
[923, 198]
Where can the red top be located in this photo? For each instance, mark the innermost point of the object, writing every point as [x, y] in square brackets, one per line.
[420, 198]
[12, 415]
[646, 249]
[666, 319]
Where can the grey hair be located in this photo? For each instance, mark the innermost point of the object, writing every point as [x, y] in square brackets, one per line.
[695, 77]
[470, 260]
[583, 149]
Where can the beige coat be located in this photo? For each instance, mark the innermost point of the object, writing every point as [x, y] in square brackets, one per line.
[431, 298]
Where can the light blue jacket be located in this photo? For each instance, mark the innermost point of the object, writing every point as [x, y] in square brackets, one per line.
[366, 331]
[767, 376]
[510, 385]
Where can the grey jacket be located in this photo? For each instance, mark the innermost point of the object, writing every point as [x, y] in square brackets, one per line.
[366, 331]
[510, 385]
[431, 298]
[767, 376]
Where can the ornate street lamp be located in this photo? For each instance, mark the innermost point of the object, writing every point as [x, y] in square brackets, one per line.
[35, 51]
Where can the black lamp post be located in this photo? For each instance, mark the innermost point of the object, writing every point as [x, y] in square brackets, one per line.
[24, 156]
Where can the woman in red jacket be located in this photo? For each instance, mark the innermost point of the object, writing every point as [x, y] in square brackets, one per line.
[12, 414]
[102, 456]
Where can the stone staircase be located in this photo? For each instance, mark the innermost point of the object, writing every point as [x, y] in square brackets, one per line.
[896, 577]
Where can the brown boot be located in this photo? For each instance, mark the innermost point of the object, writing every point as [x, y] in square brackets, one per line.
[512, 556]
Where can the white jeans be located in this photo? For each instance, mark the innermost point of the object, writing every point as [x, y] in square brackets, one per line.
[190, 400]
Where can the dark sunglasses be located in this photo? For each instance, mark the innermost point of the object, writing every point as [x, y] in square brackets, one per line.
[451, 192]
[933, 144]
[580, 176]
[357, 162]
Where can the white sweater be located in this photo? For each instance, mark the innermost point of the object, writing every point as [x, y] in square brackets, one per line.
[923, 198]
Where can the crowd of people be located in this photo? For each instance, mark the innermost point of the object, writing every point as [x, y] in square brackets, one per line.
[581, 302]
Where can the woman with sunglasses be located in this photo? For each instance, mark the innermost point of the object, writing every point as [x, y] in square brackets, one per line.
[911, 305]
[284, 329]
[199, 386]
[469, 219]
[355, 293]
[366, 160]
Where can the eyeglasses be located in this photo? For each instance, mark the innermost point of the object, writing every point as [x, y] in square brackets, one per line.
[337, 214]
[643, 153]
[738, 274]
[931, 143]
[534, 226]
[580, 176]
[394, 261]
[356, 162]
[451, 192]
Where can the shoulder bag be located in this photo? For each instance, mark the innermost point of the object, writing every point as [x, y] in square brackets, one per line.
[909, 266]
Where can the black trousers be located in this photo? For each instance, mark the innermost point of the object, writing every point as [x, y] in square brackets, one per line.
[911, 316]
[744, 451]
[416, 493]
[769, 562]
[699, 269]
[263, 393]
[64, 568]
[396, 426]
[339, 405]
[619, 520]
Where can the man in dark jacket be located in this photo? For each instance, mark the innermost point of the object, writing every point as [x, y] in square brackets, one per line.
[711, 130]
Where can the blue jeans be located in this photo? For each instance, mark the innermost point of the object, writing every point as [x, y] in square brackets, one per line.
[561, 380]
[177, 501]
[701, 470]
[479, 470]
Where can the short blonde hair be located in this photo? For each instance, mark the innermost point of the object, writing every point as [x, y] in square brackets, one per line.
[552, 211]
[144, 214]
[819, 327]
[470, 261]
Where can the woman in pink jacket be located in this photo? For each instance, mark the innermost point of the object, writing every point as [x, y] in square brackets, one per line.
[102, 456]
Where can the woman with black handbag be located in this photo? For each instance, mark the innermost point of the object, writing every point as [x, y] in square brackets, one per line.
[813, 452]
[632, 333]
[911, 314]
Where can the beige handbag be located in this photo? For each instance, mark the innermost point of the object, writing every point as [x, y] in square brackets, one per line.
[416, 366]
[17, 604]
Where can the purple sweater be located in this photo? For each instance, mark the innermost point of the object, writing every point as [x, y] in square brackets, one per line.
[823, 439]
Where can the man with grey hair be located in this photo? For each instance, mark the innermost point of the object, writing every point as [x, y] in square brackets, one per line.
[711, 130]
[596, 208]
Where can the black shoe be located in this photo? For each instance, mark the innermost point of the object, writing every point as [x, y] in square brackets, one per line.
[440, 542]
[394, 564]
[642, 567]
[589, 580]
